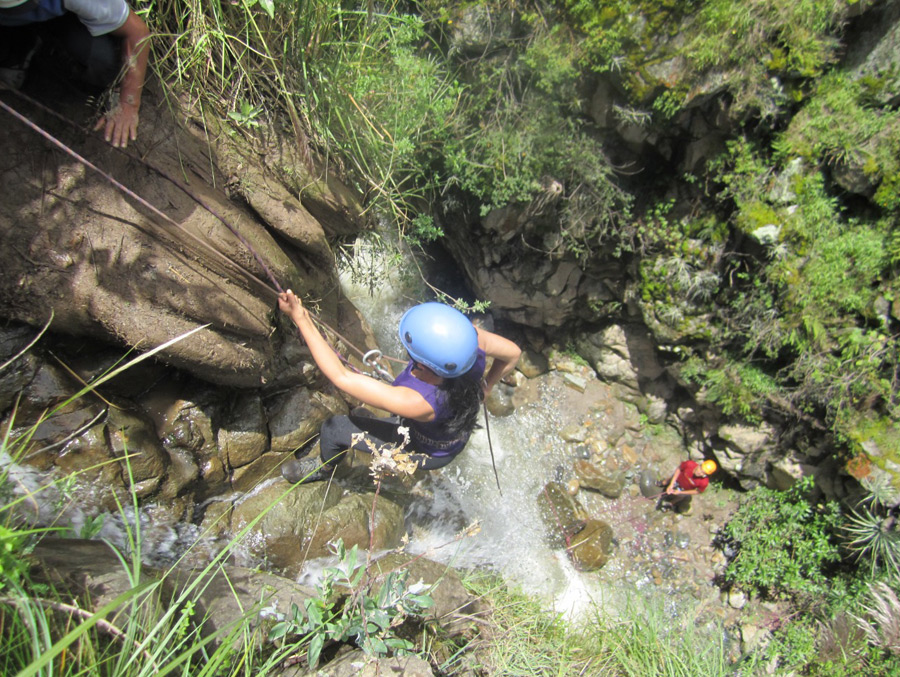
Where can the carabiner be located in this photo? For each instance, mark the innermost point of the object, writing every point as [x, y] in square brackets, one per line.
[370, 359]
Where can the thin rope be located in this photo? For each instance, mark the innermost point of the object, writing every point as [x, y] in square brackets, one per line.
[487, 429]
[274, 289]
[174, 181]
[127, 191]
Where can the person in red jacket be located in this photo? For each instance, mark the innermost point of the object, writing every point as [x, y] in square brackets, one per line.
[688, 480]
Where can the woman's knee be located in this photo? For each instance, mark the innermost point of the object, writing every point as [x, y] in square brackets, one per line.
[333, 437]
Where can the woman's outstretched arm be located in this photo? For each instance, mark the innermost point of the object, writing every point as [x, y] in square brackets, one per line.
[397, 400]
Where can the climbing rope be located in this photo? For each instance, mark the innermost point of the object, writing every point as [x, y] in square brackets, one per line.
[274, 288]
[369, 359]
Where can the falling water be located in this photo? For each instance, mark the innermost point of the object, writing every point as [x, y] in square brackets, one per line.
[509, 535]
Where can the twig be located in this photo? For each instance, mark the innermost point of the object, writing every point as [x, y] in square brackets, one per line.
[84, 614]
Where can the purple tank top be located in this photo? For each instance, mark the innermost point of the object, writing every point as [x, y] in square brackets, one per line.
[432, 437]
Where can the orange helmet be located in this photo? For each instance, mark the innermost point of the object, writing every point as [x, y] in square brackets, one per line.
[708, 466]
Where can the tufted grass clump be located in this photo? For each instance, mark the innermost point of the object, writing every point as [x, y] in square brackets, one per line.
[521, 637]
[155, 622]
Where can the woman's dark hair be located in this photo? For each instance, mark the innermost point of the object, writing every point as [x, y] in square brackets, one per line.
[464, 395]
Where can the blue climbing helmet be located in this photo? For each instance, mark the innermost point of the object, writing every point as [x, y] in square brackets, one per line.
[440, 337]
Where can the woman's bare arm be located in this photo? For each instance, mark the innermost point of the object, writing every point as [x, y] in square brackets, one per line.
[505, 353]
[401, 401]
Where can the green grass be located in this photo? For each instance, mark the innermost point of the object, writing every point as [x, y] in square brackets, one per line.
[520, 637]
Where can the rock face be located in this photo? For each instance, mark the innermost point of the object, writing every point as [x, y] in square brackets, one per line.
[108, 266]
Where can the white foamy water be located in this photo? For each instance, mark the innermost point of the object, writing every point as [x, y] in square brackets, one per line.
[509, 536]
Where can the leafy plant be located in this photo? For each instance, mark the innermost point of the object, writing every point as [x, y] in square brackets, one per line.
[366, 617]
[246, 115]
[782, 544]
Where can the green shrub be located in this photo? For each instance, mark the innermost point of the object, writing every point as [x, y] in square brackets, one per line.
[783, 545]
[368, 619]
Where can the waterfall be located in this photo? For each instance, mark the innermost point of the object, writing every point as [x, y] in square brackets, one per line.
[508, 536]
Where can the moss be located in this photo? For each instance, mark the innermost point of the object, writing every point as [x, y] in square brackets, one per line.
[757, 214]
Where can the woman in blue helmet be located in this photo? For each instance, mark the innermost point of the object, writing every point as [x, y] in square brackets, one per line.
[437, 397]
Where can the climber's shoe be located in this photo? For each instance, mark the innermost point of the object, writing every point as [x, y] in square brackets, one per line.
[304, 471]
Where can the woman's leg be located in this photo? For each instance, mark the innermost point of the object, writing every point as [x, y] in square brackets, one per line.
[342, 433]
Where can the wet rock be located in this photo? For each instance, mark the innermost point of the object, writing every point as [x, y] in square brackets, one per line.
[21, 370]
[574, 433]
[562, 514]
[288, 516]
[88, 454]
[500, 401]
[295, 417]
[187, 427]
[525, 394]
[216, 518]
[575, 381]
[299, 522]
[135, 436]
[50, 386]
[598, 447]
[572, 487]
[533, 364]
[183, 471]
[515, 379]
[264, 467]
[592, 546]
[592, 477]
[582, 452]
[350, 520]
[243, 436]
[212, 471]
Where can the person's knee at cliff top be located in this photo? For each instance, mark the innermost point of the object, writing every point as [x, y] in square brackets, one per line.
[436, 397]
[105, 38]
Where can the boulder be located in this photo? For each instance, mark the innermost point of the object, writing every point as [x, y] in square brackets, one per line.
[622, 354]
[532, 363]
[243, 436]
[563, 515]
[591, 548]
[593, 477]
[446, 589]
[296, 416]
[298, 522]
[92, 573]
